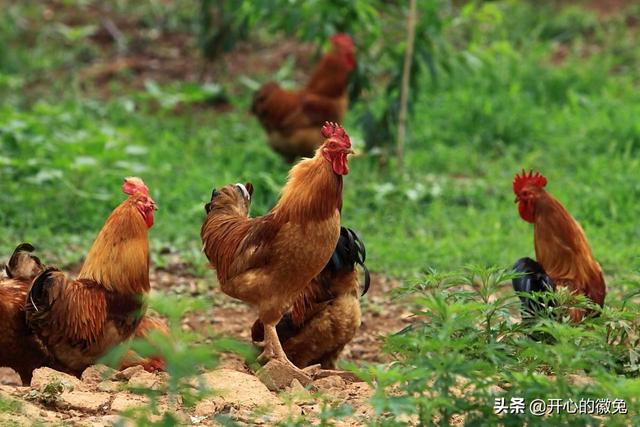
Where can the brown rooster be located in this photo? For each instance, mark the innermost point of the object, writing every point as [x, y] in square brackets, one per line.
[563, 254]
[326, 316]
[267, 261]
[79, 320]
[19, 349]
[292, 118]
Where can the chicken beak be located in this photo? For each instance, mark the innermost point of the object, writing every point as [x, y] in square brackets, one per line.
[349, 151]
[516, 200]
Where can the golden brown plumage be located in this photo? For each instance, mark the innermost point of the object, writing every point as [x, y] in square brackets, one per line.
[560, 243]
[326, 316]
[19, 349]
[292, 118]
[267, 261]
[80, 320]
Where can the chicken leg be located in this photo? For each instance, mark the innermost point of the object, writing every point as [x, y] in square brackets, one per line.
[273, 348]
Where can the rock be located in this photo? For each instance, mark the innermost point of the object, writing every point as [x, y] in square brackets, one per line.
[9, 377]
[45, 376]
[296, 386]
[128, 373]
[125, 400]
[349, 377]
[277, 375]
[327, 383]
[239, 393]
[108, 386]
[299, 394]
[96, 374]
[145, 380]
[85, 401]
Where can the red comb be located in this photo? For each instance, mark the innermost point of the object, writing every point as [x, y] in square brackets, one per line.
[342, 39]
[335, 131]
[133, 185]
[521, 181]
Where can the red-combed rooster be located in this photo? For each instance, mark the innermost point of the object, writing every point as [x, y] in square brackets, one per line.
[563, 254]
[292, 118]
[19, 348]
[267, 261]
[326, 316]
[79, 320]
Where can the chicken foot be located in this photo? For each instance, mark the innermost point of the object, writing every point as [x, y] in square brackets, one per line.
[273, 348]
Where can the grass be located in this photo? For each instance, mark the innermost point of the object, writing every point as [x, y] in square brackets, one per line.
[506, 102]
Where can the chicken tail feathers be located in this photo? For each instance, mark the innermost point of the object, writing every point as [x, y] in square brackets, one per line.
[38, 297]
[23, 265]
[533, 279]
[350, 251]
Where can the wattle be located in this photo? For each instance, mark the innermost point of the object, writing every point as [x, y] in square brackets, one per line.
[526, 211]
[339, 164]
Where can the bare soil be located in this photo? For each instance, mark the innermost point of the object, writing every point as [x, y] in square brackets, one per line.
[101, 396]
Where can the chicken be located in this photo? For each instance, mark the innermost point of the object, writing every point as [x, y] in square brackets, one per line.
[148, 324]
[80, 320]
[292, 118]
[267, 261]
[563, 254]
[19, 349]
[327, 315]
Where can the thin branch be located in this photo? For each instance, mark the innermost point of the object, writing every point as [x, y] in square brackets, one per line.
[404, 91]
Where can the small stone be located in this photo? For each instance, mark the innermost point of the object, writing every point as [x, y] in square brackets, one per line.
[45, 376]
[126, 374]
[9, 377]
[277, 375]
[124, 401]
[108, 386]
[96, 374]
[296, 386]
[328, 383]
[85, 401]
[145, 380]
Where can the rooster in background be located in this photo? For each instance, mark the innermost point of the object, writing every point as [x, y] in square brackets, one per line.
[267, 261]
[19, 349]
[326, 316]
[292, 118]
[79, 320]
[563, 254]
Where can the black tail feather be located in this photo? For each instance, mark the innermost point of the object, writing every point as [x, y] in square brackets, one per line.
[533, 279]
[39, 291]
[350, 251]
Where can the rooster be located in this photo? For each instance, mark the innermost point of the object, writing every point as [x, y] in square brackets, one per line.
[563, 254]
[291, 118]
[267, 261]
[326, 316]
[19, 349]
[79, 320]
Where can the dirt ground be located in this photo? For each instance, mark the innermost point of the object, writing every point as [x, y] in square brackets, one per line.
[101, 395]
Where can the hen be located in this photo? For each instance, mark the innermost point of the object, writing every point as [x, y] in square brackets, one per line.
[563, 254]
[326, 316]
[80, 320]
[292, 118]
[267, 261]
[19, 349]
